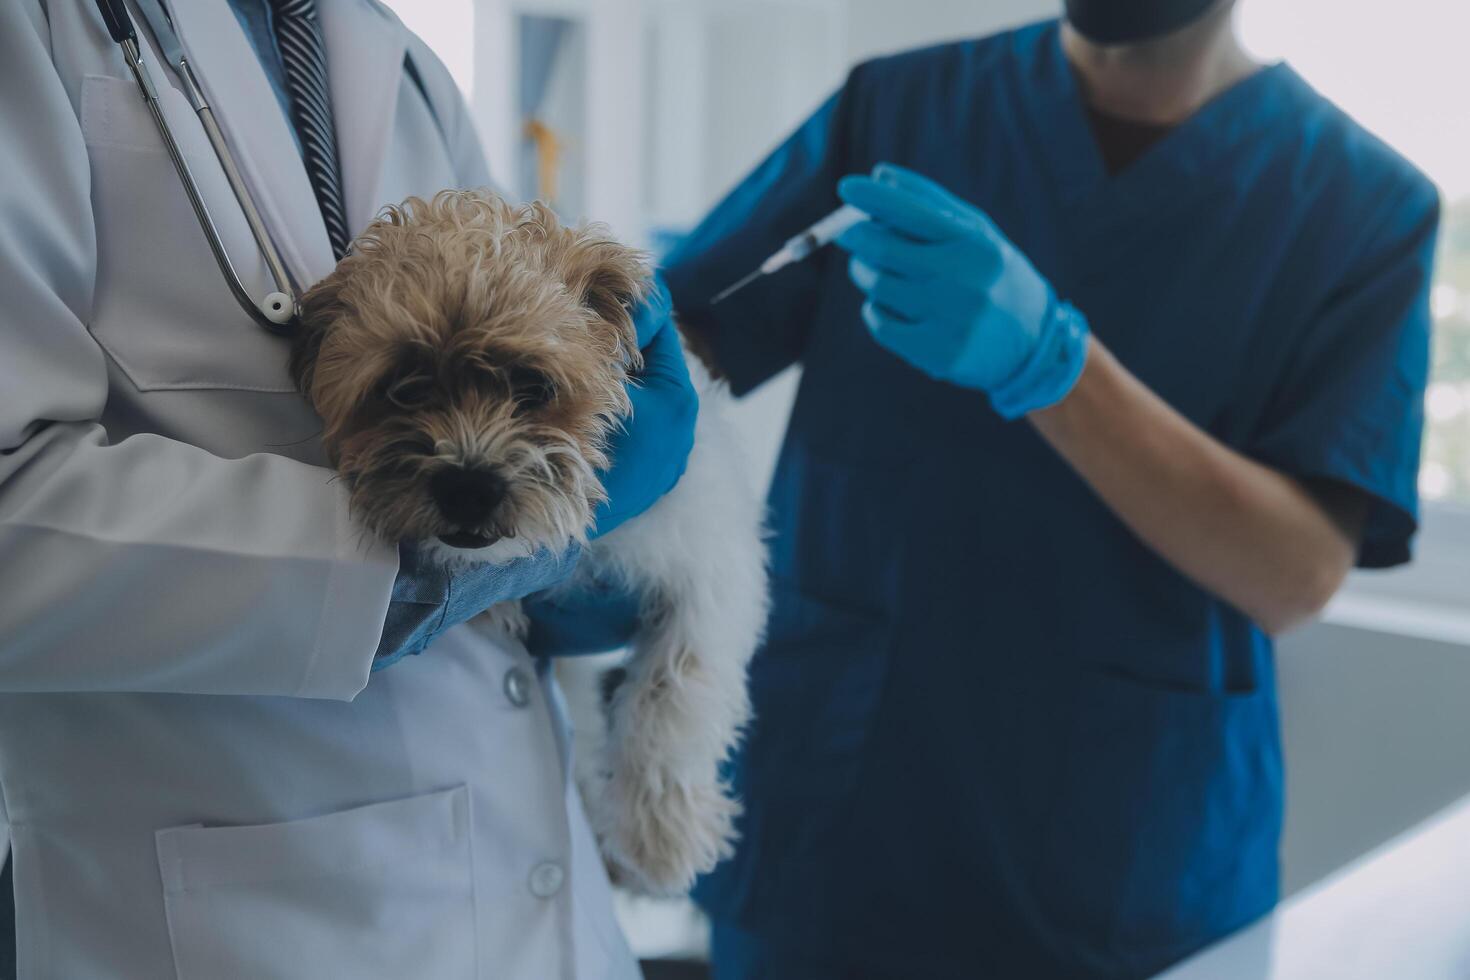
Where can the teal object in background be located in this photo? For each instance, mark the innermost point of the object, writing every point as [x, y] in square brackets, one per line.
[664, 239]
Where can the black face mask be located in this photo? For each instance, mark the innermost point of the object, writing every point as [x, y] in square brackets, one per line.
[1129, 21]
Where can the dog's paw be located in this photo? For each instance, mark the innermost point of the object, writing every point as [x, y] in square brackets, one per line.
[658, 834]
[508, 618]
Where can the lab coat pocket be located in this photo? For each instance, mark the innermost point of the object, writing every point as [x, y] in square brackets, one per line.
[161, 309]
[816, 687]
[385, 890]
[1166, 819]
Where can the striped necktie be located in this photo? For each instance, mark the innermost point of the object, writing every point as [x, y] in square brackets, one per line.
[304, 60]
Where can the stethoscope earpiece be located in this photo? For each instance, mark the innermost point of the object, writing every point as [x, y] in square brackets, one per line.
[277, 308]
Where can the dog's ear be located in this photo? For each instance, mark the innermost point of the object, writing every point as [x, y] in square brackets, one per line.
[613, 279]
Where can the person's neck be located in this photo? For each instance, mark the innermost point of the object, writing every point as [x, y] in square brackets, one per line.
[1163, 81]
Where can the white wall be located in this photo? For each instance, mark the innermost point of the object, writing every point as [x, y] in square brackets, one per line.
[772, 63]
[881, 26]
[1377, 738]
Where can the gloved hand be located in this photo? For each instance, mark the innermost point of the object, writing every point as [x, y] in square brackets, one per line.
[648, 459]
[649, 452]
[591, 618]
[429, 598]
[951, 295]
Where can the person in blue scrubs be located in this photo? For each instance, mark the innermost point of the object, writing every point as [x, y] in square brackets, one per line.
[1121, 379]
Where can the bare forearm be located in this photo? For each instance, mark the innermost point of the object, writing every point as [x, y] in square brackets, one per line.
[1251, 535]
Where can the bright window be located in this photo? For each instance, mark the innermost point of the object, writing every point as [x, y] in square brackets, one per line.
[1400, 70]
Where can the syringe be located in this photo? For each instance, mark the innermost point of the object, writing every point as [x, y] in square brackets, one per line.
[801, 246]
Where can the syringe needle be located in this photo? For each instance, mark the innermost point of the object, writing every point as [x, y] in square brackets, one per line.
[725, 294]
[828, 230]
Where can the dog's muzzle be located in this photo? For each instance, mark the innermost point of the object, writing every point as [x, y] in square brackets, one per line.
[468, 498]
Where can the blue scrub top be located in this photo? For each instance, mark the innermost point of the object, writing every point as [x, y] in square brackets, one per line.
[997, 735]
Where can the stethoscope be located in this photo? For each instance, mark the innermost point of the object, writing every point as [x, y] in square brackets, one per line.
[279, 311]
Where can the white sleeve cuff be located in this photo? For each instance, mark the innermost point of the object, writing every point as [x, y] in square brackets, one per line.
[359, 587]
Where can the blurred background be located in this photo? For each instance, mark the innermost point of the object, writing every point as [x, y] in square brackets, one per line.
[641, 113]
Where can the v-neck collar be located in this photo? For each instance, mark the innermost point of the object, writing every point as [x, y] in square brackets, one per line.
[365, 49]
[1057, 113]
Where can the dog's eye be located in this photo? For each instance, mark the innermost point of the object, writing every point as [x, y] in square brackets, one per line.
[410, 392]
[531, 388]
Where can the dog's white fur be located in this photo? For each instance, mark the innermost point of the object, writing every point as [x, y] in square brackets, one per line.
[653, 788]
[648, 763]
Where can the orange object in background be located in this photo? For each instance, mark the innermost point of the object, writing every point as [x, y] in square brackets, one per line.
[548, 158]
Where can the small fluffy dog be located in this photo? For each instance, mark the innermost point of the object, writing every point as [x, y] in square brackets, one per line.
[469, 360]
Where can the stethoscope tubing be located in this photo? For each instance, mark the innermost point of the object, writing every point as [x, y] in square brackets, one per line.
[237, 186]
[284, 302]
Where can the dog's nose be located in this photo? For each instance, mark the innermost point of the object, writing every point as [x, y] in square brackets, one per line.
[468, 497]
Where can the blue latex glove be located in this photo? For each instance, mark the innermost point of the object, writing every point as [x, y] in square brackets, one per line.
[948, 293]
[649, 452]
[592, 618]
[648, 459]
[429, 599]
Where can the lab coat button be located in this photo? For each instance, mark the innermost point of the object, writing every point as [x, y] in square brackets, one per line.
[517, 687]
[546, 879]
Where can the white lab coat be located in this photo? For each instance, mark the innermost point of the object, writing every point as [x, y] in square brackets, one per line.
[200, 777]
